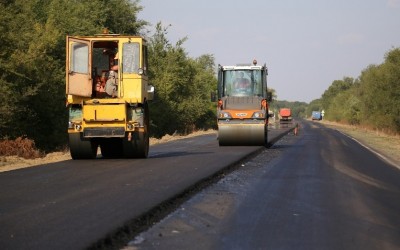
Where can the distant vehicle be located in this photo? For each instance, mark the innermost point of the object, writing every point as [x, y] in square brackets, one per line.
[316, 115]
[285, 115]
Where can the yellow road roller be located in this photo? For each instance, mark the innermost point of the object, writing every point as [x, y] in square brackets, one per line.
[107, 92]
[242, 109]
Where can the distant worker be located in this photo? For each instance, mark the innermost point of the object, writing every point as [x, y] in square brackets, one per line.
[241, 82]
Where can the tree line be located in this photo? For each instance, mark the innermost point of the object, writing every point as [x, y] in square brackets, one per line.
[32, 68]
[372, 100]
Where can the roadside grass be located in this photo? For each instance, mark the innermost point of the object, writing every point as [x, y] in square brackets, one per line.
[387, 145]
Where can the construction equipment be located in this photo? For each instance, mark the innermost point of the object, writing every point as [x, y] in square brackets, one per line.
[285, 115]
[242, 109]
[107, 92]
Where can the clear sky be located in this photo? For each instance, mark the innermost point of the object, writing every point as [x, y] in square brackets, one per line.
[306, 44]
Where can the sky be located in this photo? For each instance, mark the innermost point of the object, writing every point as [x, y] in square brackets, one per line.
[306, 44]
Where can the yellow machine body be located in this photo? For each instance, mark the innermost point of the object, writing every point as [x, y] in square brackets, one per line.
[107, 91]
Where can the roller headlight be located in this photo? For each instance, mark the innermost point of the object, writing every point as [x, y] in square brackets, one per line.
[224, 115]
[258, 114]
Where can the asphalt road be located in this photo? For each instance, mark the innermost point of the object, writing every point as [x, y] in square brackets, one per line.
[317, 190]
[73, 204]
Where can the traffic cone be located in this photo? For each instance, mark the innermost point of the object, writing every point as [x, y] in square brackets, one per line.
[296, 129]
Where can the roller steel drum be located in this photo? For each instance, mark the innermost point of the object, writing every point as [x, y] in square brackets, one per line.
[242, 134]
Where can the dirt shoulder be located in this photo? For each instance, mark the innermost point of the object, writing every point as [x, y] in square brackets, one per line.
[8, 163]
[388, 147]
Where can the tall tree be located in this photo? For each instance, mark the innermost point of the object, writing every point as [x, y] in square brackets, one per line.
[32, 60]
[183, 86]
[380, 93]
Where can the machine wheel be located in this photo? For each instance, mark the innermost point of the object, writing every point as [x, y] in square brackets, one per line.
[111, 148]
[137, 146]
[81, 148]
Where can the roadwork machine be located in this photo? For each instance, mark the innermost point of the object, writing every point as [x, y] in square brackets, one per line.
[107, 93]
[242, 109]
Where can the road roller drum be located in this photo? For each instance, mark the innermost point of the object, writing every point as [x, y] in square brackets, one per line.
[242, 134]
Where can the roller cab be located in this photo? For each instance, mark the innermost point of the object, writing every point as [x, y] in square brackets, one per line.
[242, 109]
[107, 92]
